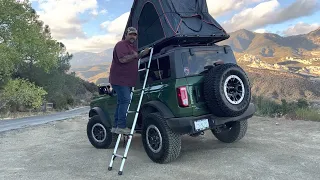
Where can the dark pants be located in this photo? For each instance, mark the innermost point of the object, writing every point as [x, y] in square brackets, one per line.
[123, 100]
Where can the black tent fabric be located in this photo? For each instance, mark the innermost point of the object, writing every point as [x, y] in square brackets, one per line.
[168, 22]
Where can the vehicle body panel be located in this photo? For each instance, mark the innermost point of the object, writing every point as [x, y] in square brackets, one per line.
[184, 68]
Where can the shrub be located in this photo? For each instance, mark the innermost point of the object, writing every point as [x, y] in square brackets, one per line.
[306, 114]
[267, 107]
[91, 87]
[20, 94]
[293, 110]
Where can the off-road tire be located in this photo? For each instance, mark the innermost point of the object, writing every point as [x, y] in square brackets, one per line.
[214, 94]
[236, 132]
[171, 142]
[110, 139]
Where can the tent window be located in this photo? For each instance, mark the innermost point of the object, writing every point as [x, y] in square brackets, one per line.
[149, 26]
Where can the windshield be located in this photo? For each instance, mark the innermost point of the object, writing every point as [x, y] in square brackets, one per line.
[194, 65]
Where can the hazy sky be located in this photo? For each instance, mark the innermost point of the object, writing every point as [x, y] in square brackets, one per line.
[96, 25]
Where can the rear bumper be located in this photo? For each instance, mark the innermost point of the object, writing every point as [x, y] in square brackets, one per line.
[186, 125]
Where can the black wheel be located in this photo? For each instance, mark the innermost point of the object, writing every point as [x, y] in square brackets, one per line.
[227, 90]
[234, 131]
[160, 143]
[99, 135]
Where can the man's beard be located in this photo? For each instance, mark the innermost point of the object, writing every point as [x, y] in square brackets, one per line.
[132, 40]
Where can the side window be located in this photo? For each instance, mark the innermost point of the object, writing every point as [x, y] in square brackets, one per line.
[153, 67]
[159, 70]
[164, 67]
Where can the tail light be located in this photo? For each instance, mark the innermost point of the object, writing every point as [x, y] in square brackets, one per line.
[183, 96]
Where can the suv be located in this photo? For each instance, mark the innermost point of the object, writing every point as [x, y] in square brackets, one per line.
[189, 90]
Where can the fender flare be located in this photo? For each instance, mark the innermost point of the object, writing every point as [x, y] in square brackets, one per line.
[104, 116]
[160, 107]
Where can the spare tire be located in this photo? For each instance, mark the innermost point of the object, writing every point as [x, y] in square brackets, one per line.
[227, 90]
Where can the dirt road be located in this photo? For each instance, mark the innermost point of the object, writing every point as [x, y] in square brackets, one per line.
[60, 150]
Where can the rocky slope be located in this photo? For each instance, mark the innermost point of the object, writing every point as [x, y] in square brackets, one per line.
[309, 67]
[283, 85]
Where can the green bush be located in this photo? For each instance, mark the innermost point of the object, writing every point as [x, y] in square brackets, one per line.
[292, 110]
[91, 87]
[20, 93]
[267, 107]
[306, 114]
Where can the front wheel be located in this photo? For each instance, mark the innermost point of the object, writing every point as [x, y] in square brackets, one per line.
[160, 143]
[234, 131]
[99, 135]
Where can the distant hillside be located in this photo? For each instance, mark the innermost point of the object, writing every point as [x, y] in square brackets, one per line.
[283, 85]
[269, 45]
[95, 73]
[83, 59]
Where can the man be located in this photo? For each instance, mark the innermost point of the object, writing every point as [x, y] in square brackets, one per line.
[123, 76]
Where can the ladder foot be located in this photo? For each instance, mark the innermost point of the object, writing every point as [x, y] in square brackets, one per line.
[120, 172]
[109, 168]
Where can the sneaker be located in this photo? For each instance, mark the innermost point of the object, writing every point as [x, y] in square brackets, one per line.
[123, 131]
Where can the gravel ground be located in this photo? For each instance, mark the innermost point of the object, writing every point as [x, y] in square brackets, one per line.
[272, 149]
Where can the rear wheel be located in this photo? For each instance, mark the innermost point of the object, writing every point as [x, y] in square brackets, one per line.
[160, 143]
[99, 135]
[227, 90]
[233, 131]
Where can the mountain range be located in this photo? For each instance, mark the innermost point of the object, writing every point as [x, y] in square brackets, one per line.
[297, 58]
[269, 45]
[242, 41]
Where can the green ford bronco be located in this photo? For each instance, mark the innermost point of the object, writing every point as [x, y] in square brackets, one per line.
[189, 90]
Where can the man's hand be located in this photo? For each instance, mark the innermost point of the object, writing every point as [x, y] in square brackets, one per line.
[144, 52]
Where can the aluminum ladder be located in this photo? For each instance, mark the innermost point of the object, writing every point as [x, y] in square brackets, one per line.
[124, 157]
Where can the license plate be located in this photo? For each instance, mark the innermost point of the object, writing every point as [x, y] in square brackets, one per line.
[201, 124]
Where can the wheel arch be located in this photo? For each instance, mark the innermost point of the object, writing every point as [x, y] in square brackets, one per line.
[156, 106]
[104, 116]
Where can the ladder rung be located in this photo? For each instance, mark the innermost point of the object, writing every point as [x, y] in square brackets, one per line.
[118, 155]
[142, 69]
[132, 111]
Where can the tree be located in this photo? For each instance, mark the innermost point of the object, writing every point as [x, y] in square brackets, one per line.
[64, 59]
[27, 39]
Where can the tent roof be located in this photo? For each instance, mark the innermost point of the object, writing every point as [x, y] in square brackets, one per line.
[167, 22]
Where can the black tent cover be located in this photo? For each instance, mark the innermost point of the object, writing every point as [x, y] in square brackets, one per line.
[167, 22]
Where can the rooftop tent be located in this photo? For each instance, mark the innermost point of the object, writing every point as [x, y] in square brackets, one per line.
[168, 22]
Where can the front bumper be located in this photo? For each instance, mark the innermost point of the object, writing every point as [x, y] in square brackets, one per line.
[186, 125]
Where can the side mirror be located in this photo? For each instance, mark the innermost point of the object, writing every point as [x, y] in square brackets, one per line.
[110, 91]
[103, 90]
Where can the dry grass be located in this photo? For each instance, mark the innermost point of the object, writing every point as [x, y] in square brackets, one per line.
[299, 110]
[307, 114]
